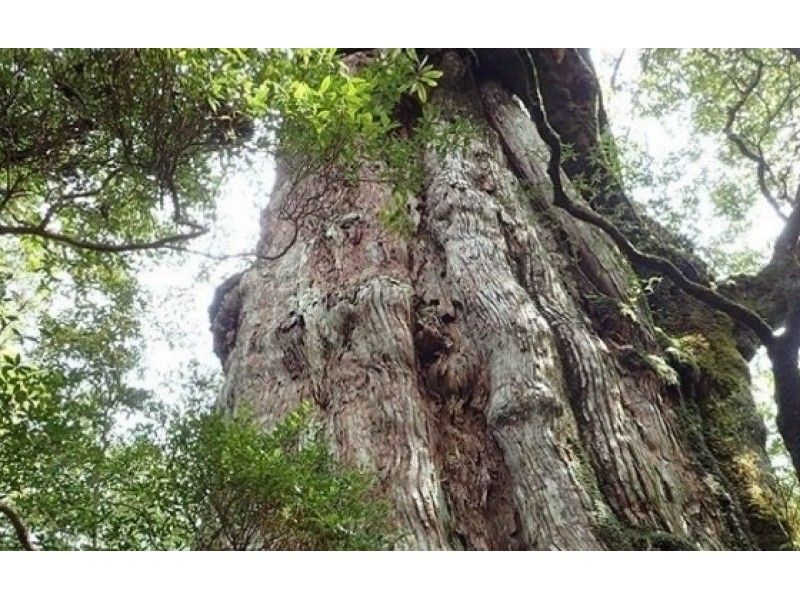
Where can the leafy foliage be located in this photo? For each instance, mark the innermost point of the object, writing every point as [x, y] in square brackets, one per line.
[208, 481]
[92, 461]
[714, 84]
[724, 163]
[119, 150]
[282, 490]
[95, 141]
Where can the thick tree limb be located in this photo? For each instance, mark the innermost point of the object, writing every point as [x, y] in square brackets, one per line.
[19, 527]
[783, 354]
[787, 239]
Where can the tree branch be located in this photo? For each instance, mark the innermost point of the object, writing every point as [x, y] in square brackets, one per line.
[656, 263]
[782, 348]
[19, 527]
[615, 72]
[219, 257]
[107, 247]
[755, 155]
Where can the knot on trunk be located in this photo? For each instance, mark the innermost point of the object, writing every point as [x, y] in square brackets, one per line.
[223, 314]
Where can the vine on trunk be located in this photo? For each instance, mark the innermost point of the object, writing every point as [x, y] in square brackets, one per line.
[781, 347]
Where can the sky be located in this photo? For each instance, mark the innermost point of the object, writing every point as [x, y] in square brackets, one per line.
[177, 329]
[672, 135]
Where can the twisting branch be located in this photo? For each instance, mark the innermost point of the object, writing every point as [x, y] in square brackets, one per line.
[782, 348]
[656, 263]
[107, 247]
[19, 527]
[754, 154]
[298, 207]
[218, 257]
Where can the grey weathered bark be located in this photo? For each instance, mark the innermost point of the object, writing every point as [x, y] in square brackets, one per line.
[498, 368]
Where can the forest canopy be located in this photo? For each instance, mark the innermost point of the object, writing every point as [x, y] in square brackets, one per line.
[114, 162]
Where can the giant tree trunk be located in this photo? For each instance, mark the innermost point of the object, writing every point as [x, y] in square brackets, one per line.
[498, 367]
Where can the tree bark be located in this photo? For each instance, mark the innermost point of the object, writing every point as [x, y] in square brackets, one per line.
[498, 368]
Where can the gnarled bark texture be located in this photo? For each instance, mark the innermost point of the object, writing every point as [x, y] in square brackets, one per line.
[498, 367]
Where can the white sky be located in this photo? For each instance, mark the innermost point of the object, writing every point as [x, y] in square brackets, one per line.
[674, 136]
[177, 328]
